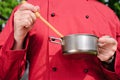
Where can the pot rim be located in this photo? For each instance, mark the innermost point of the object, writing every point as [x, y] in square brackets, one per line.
[81, 34]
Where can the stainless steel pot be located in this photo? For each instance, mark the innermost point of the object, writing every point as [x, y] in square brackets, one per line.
[77, 43]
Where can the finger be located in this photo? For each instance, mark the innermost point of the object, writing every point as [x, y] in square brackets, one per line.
[103, 38]
[100, 44]
[30, 14]
[33, 16]
[106, 39]
[26, 21]
[25, 18]
[27, 6]
[26, 14]
[37, 8]
[103, 57]
[29, 22]
[101, 54]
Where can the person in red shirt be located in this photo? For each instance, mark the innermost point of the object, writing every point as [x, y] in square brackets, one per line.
[26, 37]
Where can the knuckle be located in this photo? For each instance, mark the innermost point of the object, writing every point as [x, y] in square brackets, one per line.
[23, 6]
[26, 21]
[113, 49]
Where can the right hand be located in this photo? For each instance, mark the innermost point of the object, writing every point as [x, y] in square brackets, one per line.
[24, 19]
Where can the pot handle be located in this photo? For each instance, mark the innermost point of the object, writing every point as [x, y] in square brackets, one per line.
[56, 40]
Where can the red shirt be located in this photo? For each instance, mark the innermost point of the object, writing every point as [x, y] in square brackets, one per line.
[46, 59]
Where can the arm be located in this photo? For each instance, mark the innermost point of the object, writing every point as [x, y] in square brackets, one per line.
[12, 47]
[108, 48]
[10, 60]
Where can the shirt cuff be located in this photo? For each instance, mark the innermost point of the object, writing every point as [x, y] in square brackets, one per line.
[110, 74]
[7, 48]
[109, 69]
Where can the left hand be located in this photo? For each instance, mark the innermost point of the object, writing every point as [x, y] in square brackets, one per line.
[106, 48]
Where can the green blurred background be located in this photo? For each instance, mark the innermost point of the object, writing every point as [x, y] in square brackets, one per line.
[6, 6]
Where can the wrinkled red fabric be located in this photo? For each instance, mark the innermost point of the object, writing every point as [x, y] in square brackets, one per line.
[46, 59]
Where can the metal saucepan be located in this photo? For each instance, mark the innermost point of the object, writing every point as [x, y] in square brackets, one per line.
[77, 43]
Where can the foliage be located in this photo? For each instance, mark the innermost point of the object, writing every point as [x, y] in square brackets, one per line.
[113, 4]
[6, 7]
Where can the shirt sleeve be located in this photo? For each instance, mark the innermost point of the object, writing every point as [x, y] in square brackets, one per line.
[117, 59]
[115, 74]
[12, 62]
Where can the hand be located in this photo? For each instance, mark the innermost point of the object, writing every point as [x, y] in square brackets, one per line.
[106, 48]
[24, 19]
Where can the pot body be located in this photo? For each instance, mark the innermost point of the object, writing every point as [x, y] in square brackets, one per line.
[79, 43]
